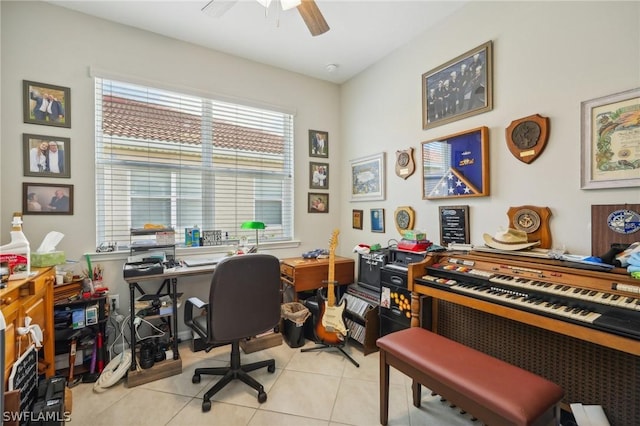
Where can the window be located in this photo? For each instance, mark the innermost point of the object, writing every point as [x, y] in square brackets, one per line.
[180, 160]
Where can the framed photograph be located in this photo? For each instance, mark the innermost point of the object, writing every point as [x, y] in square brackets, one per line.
[456, 166]
[356, 219]
[46, 104]
[377, 220]
[319, 175]
[454, 225]
[367, 178]
[610, 155]
[46, 156]
[318, 202]
[458, 89]
[44, 198]
[318, 143]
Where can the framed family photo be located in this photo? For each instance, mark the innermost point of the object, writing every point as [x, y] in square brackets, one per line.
[46, 156]
[459, 88]
[44, 198]
[319, 175]
[46, 104]
[377, 220]
[456, 166]
[368, 178]
[318, 143]
[318, 202]
[611, 141]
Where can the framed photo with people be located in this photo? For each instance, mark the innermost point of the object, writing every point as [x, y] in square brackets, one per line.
[46, 104]
[46, 156]
[44, 198]
[318, 202]
[318, 143]
[319, 175]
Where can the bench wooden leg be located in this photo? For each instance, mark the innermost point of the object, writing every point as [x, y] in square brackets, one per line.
[384, 389]
[417, 393]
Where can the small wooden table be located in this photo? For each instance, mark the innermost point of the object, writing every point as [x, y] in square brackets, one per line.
[310, 274]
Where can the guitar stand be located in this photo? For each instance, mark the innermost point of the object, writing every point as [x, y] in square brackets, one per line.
[325, 346]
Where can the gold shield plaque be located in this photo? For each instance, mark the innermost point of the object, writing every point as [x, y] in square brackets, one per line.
[527, 137]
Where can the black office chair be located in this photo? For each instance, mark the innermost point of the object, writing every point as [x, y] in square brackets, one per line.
[244, 301]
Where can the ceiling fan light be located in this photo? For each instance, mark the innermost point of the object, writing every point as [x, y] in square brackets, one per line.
[290, 4]
[264, 3]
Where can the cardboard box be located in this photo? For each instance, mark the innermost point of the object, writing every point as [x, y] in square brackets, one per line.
[40, 260]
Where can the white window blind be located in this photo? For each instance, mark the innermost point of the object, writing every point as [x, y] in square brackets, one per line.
[180, 160]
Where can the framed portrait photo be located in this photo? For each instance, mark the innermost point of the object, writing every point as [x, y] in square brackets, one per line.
[44, 198]
[377, 220]
[46, 156]
[319, 175]
[317, 202]
[459, 88]
[368, 178]
[611, 141]
[357, 219]
[318, 143]
[46, 104]
[456, 166]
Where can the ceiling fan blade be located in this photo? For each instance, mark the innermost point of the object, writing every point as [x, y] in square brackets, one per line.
[313, 17]
[217, 8]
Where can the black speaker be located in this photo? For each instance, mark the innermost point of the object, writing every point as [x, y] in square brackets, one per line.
[369, 265]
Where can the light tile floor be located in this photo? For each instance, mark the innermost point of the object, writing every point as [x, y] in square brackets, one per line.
[317, 388]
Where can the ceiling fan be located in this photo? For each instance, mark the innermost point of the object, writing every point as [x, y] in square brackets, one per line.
[308, 9]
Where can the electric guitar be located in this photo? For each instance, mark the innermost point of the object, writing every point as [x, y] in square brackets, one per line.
[330, 327]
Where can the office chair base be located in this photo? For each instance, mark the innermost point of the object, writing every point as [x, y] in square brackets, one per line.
[234, 372]
[325, 346]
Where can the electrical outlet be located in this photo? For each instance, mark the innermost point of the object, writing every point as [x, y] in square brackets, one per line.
[114, 301]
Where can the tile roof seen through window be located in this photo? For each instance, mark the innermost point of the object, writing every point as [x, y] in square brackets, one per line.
[127, 118]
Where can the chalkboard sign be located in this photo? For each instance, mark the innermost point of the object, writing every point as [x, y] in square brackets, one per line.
[24, 377]
[454, 225]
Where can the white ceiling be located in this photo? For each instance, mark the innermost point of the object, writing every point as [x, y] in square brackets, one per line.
[362, 31]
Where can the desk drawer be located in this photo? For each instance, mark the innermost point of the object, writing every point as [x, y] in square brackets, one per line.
[390, 277]
[287, 271]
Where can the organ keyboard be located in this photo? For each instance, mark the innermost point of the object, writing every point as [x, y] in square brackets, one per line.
[586, 304]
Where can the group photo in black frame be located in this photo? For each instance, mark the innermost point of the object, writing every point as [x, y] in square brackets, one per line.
[459, 88]
[46, 104]
[46, 198]
[46, 156]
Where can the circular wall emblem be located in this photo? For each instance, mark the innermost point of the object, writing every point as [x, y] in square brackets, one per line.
[526, 220]
[624, 221]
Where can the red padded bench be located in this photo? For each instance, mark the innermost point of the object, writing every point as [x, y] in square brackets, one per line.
[493, 391]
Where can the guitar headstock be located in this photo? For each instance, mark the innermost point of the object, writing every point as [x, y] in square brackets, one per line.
[333, 242]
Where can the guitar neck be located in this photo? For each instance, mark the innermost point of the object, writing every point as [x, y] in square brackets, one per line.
[331, 297]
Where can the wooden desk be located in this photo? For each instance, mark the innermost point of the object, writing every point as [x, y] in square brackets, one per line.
[31, 297]
[310, 274]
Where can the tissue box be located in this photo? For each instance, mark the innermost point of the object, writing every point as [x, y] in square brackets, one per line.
[53, 258]
[414, 235]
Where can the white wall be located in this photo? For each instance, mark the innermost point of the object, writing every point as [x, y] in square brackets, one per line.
[548, 58]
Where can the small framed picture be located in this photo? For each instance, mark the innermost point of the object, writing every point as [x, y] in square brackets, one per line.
[46, 156]
[44, 198]
[377, 220]
[319, 175]
[356, 219]
[46, 104]
[318, 143]
[318, 202]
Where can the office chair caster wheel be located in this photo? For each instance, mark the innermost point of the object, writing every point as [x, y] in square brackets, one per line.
[271, 368]
[206, 406]
[196, 379]
[262, 397]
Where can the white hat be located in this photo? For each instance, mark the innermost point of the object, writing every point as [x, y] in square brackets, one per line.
[511, 239]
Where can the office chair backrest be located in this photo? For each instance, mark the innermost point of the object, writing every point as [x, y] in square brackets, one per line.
[244, 299]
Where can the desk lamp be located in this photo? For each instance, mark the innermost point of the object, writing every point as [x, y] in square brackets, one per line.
[253, 225]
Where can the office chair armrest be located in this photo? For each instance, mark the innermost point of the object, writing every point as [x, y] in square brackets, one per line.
[188, 309]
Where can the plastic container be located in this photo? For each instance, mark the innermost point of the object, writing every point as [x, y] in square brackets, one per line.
[195, 236]
[18, 252]
[294, 314]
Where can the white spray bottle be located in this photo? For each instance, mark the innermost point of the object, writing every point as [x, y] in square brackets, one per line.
[17, 253]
